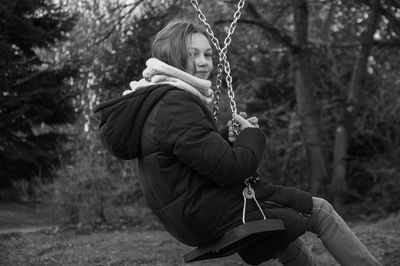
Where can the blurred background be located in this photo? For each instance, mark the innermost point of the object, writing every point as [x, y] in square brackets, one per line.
[323, 76]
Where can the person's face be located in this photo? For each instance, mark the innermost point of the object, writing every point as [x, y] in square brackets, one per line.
[199, 61]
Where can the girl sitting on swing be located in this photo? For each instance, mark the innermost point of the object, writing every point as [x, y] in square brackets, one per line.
[192, 176]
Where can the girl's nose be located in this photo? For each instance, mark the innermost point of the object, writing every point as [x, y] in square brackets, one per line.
[201, 60]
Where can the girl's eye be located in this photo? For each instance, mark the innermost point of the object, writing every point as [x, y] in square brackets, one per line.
[208, 55]
[192, 53]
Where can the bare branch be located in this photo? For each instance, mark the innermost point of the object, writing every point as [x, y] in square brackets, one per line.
[25, 61]
[387, 44]
[28, 78]
[395, 21]
[327, 36]
[366, 41]
[377, 43]
[283, 9]
[271, 32]
[118, 23]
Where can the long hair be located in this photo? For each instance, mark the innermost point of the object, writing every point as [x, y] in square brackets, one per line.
[169, 44]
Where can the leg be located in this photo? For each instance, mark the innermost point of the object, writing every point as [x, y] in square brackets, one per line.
[296, 254]
[337, 237]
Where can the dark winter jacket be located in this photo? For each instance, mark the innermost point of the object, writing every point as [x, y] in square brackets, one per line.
[191, 176]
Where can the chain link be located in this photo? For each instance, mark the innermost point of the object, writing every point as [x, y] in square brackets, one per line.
[223, 64]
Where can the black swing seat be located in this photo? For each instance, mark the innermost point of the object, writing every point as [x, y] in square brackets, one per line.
[235, 239]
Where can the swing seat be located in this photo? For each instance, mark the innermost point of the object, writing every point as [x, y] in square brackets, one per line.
[235, 239]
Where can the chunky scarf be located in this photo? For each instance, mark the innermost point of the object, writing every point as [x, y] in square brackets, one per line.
[158, 72]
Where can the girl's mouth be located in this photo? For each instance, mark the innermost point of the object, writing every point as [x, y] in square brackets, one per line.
[202, 75]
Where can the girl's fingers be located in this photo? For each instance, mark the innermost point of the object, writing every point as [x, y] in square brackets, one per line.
[242, 121]
[253, 120]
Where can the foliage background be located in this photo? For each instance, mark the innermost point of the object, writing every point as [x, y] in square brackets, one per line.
[102, 45]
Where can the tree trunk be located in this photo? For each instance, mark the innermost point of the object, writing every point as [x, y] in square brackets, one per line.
[343, 131]
[306, 102]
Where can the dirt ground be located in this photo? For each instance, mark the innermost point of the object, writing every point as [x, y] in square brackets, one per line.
[35, 241]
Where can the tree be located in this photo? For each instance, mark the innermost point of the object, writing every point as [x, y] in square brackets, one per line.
[356, 85]
[285, 25]
[35, 99]
[292, 63]
[328, 54]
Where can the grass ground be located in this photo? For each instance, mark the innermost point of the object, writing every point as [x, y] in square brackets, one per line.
[136, 246]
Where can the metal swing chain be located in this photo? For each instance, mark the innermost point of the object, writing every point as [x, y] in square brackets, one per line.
[223, 64]
[215, 42]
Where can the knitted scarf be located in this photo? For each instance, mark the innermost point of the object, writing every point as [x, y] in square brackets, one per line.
[158, 72]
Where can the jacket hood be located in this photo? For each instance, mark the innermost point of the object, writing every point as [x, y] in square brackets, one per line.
[122, 120]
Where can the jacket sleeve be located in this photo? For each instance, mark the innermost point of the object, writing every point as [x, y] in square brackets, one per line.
[187, 133]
